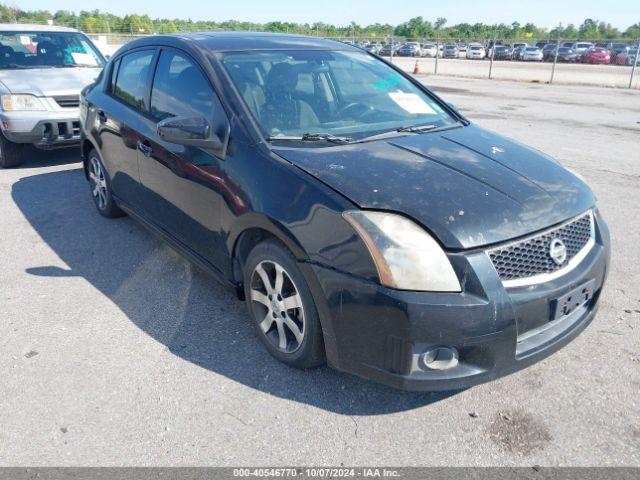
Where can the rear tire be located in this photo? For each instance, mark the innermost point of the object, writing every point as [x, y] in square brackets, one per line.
[282, 307]
[10, 153]
[101, 187]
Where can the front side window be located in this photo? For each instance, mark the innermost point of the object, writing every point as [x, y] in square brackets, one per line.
[330, 92]
[132, 78]
[180, 89]
[47, 50]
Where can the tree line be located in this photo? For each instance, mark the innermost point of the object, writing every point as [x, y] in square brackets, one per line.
[99, 22]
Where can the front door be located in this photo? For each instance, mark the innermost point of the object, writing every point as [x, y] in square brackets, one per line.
[182, 184]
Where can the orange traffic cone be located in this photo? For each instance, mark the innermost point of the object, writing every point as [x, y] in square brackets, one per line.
[416, 69]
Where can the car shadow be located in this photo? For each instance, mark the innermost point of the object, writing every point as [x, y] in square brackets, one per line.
[175, 303]
[37, 158]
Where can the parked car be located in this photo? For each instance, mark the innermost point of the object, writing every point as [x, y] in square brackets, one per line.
[429, 50]
[549, 51]
[476, 52]
[387, 50]
[312, 216]
[616, 48]
[519, 45]
[410, 49]
[627, 57]
[596, 55]
[373, 48]
[462, 51]
[532, 54]
[581, 47]
[42, 70]
[502, 52]
[450, 51]
[566, 55]
[518, 52]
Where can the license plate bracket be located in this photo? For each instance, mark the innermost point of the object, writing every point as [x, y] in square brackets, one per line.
[572, 300]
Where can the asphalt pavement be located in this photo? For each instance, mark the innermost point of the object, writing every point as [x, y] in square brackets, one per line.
[115, 351]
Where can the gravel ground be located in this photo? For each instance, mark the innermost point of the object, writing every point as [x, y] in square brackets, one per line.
[116, 351]
[566, 73]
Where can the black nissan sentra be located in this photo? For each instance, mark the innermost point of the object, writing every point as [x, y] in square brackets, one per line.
[365, 221]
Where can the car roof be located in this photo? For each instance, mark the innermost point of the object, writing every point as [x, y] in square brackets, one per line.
[32, 27]
[239, 41]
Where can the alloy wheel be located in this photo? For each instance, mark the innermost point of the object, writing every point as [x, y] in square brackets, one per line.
[277, 306]
[98, 183]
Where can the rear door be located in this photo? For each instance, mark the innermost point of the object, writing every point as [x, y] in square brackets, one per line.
[182, 185]
[120, 116]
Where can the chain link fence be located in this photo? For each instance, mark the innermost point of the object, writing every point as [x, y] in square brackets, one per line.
[617, 71]
[565, 61]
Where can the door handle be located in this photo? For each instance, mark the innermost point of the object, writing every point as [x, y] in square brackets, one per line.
[102, 117]
[145, 148]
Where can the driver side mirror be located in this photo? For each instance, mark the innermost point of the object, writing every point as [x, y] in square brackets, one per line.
[188, 131]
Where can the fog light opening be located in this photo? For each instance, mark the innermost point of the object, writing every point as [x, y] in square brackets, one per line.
[440, 358]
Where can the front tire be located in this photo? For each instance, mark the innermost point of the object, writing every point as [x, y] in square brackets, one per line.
[101, 187]
[11, 154]
[282, 307]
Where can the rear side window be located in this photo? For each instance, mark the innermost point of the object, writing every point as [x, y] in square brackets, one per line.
[131, 82]
[180, 89]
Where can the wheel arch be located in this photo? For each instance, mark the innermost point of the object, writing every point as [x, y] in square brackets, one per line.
[256, 228]
[252, 229]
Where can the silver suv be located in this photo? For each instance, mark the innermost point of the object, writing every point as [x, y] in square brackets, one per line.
[42, 70]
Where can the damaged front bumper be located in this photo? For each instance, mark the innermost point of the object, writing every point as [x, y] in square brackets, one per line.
[385, 335]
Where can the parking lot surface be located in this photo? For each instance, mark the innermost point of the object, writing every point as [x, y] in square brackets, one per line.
[116, 351]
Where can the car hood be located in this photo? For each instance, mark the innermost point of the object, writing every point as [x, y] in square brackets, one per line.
[469, 186]
[46, 82]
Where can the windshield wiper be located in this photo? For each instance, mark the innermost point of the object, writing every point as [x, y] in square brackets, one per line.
[310, 137]
[416, 128]
[409, 129]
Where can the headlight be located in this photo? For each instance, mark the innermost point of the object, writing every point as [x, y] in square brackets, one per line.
[406, 256]
[21, 103]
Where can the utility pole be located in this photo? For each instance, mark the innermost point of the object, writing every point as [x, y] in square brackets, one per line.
[635, 62]
[555, 56]
[493, 52]
[435, 71]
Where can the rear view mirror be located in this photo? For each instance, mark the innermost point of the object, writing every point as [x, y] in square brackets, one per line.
[189, 131]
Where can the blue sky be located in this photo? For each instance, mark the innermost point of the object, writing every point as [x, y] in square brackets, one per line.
[545, 13]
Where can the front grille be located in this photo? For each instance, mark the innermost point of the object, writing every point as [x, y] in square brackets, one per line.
[531, 256]
[68, 101]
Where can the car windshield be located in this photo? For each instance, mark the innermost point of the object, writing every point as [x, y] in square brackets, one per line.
[47, 50]
[565, 50]
[338, 93]
[532, 49]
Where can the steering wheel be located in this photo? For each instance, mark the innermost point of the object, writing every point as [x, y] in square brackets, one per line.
[355, 110]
